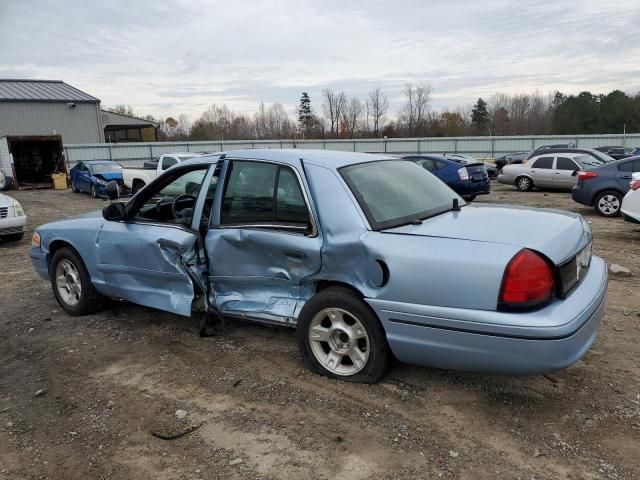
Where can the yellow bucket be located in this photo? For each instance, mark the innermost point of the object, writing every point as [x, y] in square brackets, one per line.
[59, 181]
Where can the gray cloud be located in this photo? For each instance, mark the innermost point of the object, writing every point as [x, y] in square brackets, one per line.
[177, 56]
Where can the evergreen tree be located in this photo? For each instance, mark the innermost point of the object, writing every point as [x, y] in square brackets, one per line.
[480, 114]
[305, 115]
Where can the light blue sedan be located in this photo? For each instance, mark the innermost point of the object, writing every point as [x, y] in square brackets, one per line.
[367, 256]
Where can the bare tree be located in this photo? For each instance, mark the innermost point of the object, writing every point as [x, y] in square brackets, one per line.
[352, 116]
[334, 104]
[378, 104]
[415, 113]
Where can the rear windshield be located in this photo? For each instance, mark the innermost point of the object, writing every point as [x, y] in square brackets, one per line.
[395, 192]
[106, 167]
[587, 162]
[603, 156]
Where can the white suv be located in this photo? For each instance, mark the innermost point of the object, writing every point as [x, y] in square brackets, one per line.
[12, 219]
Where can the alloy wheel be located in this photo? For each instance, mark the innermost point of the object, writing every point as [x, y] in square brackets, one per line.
[609, 204]
[68, 282]
[339, 341]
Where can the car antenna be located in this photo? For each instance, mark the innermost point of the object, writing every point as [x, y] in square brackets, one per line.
[456, 205]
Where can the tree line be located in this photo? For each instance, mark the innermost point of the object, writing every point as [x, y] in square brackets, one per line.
[342, 116]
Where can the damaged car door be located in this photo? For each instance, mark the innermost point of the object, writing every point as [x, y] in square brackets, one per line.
[264, 241]
[148, 256]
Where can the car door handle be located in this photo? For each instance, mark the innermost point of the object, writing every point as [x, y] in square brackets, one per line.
[171, 245]
[295, 254]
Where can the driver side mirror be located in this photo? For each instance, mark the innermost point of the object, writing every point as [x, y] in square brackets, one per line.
[112, 190]
[114, 212]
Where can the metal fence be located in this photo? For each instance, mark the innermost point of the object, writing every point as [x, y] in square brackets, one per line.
[134, 154]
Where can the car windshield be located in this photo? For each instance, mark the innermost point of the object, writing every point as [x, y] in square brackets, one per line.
[587, 162]
[186, 157]
[395, 192]
[106, 167]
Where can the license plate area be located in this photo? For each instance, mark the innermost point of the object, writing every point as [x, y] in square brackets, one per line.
[572, 272]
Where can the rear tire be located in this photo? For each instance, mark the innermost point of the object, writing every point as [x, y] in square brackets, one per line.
[607, 203]
[74, 189]
[340, 337]
[524, 184]
[470, 198]
[72, 285]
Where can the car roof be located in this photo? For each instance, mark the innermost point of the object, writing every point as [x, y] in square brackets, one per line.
[327, 158]
[95, 162]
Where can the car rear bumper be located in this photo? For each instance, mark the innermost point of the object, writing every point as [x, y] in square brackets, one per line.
[524, 343]
[39, 262]
[474, 188]
[582, 196]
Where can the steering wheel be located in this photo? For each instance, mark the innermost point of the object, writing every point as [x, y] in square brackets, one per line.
[179, 214]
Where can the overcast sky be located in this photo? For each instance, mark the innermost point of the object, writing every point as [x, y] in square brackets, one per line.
[166, 57]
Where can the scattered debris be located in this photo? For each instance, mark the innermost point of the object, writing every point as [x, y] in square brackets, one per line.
[172, 436]
[236, 461]
[453, 454]
[180, 414]
[40, 392]
[538, 453]
[339, 439]
[619, 270]
[236, 383]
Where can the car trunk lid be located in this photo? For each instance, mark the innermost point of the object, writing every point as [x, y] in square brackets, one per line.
[556, 234]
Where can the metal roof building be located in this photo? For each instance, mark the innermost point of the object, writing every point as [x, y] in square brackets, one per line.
[49, 107]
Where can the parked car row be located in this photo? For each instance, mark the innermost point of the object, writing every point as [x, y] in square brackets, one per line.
[365, 255]
[12, 219]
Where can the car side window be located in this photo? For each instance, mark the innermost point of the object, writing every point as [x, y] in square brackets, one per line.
[172, 201]
[564, 163]
[290, 204]
[260, 193]
[543, 162]
[168, 162]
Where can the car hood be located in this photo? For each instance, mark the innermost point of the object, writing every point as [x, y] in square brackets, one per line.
[5, 201]
[557, 234]
[108, 176]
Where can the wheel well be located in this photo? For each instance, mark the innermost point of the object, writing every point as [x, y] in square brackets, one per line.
[57, 245]
[600, 192]
[324, 284]
[138, 181]
[521, 176]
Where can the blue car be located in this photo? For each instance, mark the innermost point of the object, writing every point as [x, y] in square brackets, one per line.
[604, 187]
[93, 176]
[367, 256]
[467, 179]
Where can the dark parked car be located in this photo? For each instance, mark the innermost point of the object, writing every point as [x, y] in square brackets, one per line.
[466, 159]
[510, 159]
[467, 180]
[587, 151]
[92, 176]
[603, 187]
[619, 153]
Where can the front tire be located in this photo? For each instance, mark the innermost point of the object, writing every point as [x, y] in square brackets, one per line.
[340, 337]
[608, 203]
[94, 193]
[72, 285]
[137, 186]
[74, 189]
[470, 198]
[524, 184]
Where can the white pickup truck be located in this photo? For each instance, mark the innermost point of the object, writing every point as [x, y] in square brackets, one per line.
[136, 178]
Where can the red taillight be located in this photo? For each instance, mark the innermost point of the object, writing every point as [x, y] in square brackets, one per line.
[634, 185]
[586, 175]
[527, 282]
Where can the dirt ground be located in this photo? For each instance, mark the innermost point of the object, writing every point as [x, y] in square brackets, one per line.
[112, 384]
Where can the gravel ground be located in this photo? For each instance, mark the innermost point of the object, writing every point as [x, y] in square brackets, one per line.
[92, 397]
